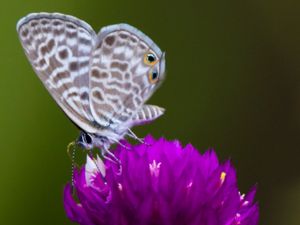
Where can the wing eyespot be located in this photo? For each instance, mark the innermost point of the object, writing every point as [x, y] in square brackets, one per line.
[153, 76]
[150, 59]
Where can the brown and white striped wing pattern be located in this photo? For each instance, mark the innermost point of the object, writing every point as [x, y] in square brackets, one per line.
[59, 49]
[146, 114]
[119, 76]
[101, 81]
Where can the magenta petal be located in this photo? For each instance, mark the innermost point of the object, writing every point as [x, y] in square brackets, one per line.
[161, 183]
[74, 210]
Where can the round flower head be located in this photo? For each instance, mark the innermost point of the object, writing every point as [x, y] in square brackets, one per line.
[159, 183]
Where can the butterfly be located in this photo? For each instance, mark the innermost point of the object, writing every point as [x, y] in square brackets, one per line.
[100, 81]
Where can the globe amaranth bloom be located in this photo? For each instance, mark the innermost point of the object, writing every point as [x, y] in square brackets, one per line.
[159, 183]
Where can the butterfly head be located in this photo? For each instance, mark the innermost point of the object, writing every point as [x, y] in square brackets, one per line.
[85, 140]
[89, 141]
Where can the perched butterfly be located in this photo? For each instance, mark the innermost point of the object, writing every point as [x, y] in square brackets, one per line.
[101, 81]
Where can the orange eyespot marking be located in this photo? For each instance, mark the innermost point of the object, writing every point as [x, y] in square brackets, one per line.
[150, 59]
[153, 76]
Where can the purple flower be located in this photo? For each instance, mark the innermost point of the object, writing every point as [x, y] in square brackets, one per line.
[160, 183]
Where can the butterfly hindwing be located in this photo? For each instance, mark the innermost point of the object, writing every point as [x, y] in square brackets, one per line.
[146, 114]
[119, 75]
[59, 49]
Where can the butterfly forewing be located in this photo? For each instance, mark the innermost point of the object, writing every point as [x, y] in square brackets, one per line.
[119, 84]
[59, 49]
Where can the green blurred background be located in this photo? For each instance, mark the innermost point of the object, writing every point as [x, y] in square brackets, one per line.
[233, 83]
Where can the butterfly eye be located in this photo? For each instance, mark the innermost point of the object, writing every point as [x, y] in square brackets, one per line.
[153, 76]
[88, 139]
[150, 59]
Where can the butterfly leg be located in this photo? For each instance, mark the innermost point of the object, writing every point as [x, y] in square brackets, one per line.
[133, 135]
[120, 143]
[108, 155]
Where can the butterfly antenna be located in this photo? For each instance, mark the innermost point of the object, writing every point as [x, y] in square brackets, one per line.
[71, 150]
